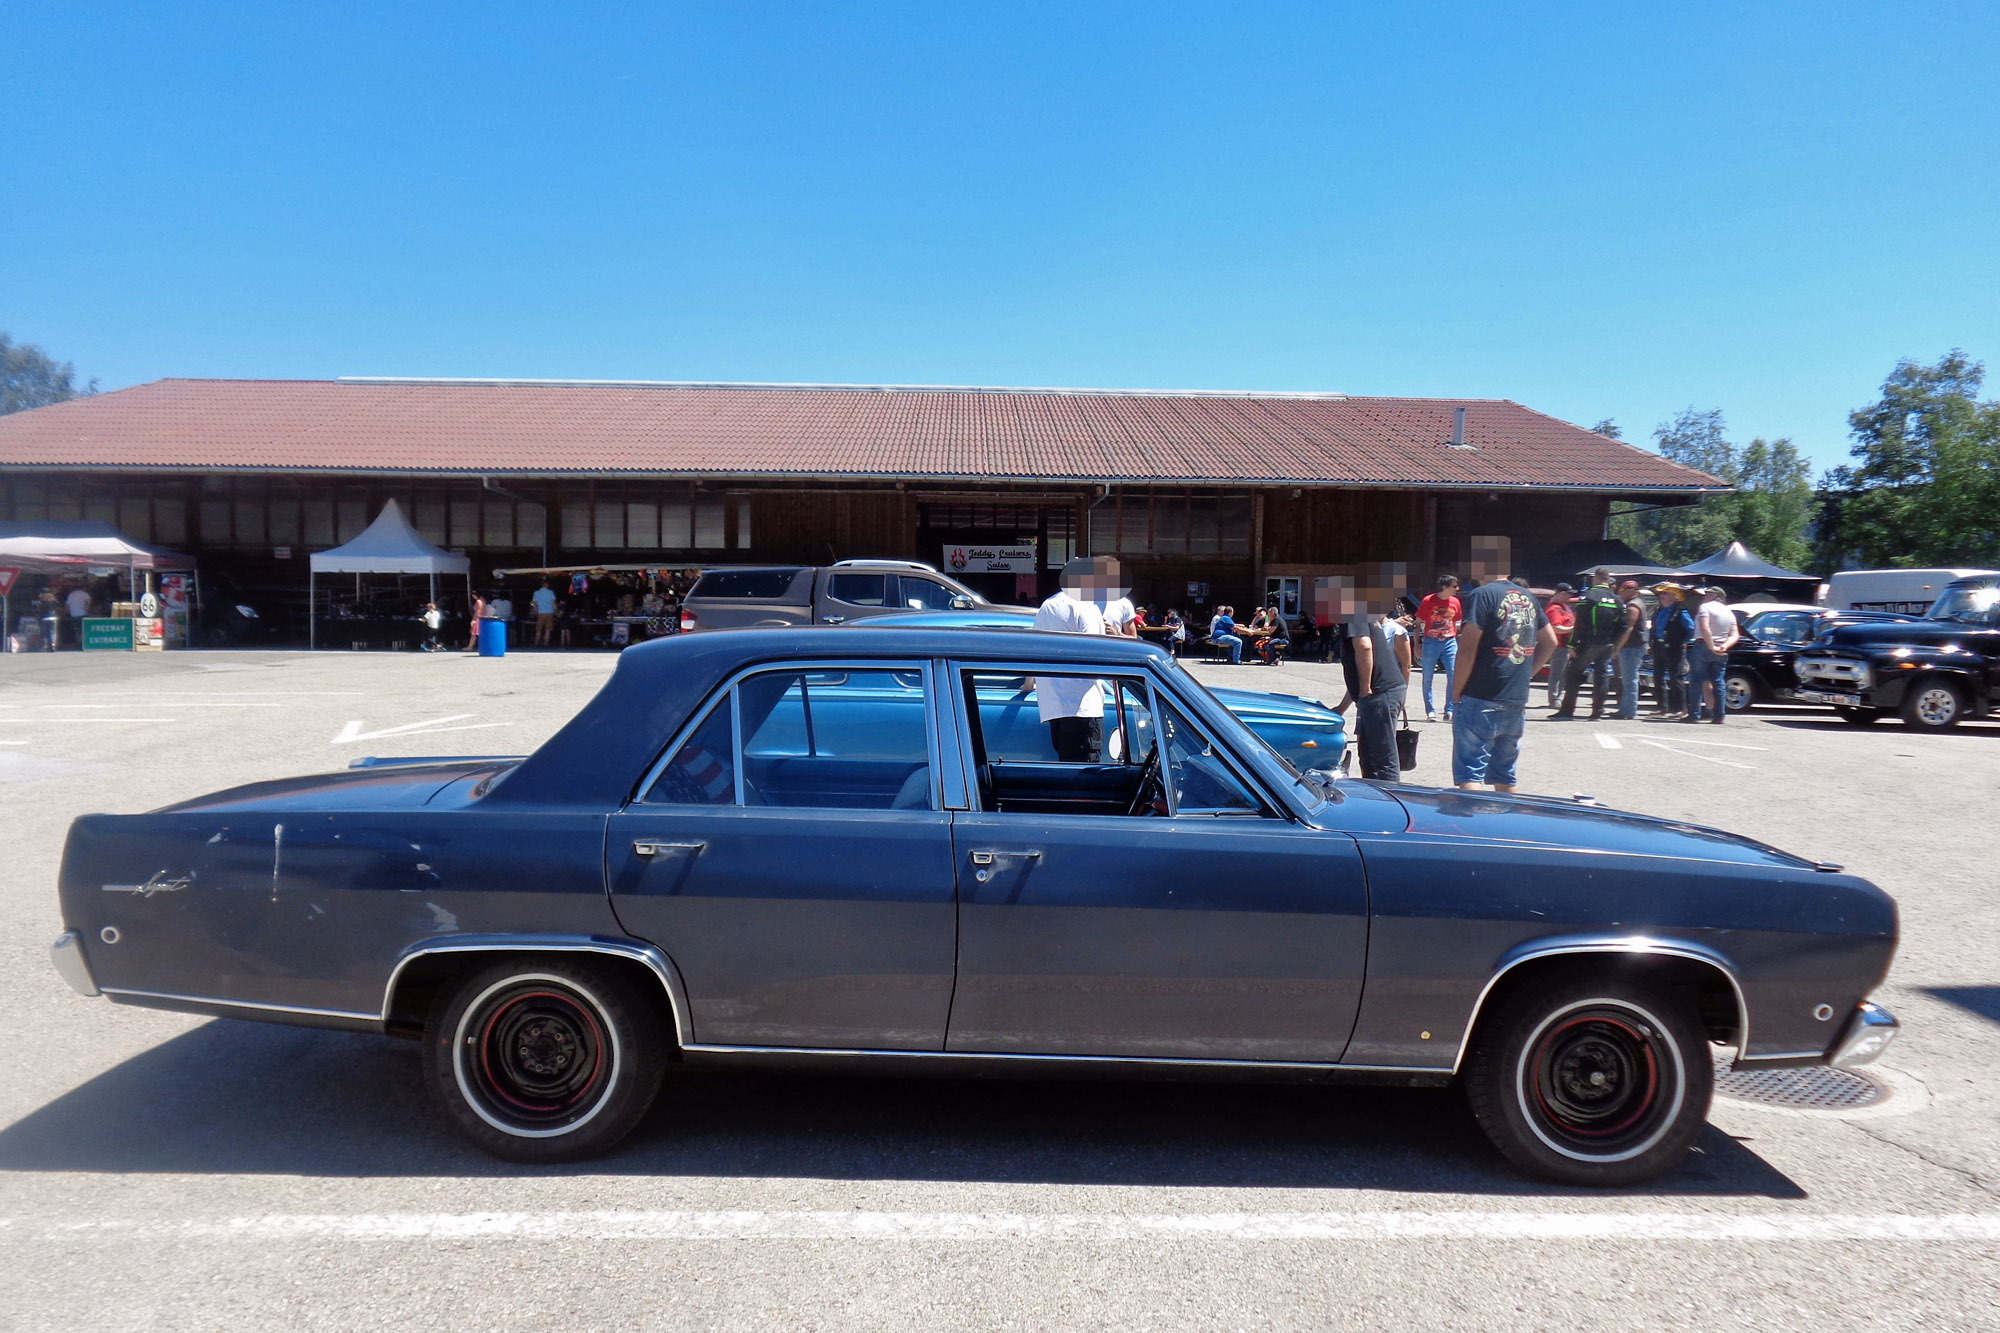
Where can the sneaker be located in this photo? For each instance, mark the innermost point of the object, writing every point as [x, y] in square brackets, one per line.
[1447, 716]
[1432, 717]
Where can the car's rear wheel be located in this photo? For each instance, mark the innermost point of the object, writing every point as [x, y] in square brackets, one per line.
[1859, 717]
[1739, 691]
[545, 1059]
[1590, 1082]
[1933, 705]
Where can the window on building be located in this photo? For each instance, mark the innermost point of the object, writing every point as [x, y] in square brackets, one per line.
[1170, 523]
[318, 524]
[170, 521]
[708, 525]
[135, 518]
[284, 520]
[576, 525]
[676, 526]
[743, 523]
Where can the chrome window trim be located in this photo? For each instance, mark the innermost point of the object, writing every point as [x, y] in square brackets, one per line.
[699, 714]
[1627, 944]
[654, 958]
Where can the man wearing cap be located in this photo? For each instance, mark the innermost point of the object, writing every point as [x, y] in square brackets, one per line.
[1673, 626]
[1073, 706]
[1598, 619]
[1563, 621]
[1630, 649]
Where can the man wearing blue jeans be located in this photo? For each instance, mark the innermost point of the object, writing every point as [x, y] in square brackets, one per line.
[1505, 640]
[1222, 633]
[1438, 619]
[1715, 633]
[1631, 649]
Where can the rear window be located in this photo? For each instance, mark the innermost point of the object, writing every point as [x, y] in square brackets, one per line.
[744, 583]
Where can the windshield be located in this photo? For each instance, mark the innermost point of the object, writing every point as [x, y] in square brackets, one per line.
[1243, 731]
[1972, 606]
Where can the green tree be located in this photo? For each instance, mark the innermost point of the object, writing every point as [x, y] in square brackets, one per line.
[1924, 488]
[29, 377]
[1608, 427]
[1769, 510]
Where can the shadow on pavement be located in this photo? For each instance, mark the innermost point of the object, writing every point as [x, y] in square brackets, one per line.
[233, 1097]
[1981, 1000]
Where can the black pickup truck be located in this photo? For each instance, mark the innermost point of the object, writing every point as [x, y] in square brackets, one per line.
[1935, 671]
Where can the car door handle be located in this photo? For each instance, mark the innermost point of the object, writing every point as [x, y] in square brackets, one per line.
[987, 856]
[654, 847]
[833, 620]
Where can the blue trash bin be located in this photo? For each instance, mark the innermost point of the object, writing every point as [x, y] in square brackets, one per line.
[492, 638]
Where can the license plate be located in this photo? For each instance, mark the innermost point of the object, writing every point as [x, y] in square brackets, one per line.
[1818, 697]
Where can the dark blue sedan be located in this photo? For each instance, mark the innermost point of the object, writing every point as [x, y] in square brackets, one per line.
[858, 850]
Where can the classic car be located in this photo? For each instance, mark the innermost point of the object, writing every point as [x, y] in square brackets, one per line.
[1936, 671]
[1762, 664]
[805, 848]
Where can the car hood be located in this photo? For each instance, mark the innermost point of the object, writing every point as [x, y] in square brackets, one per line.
[1903, 631]
[1257, 703]
[1552, 822]
[401, 787]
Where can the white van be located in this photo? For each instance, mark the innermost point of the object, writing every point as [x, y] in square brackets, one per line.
[1907, 590]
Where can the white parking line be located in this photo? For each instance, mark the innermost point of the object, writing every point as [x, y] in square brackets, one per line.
[72, 721]
[1066, 1227]
[1607, 741]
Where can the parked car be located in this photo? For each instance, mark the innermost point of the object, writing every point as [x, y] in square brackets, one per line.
[763, 596]
[1935, 671]
[703, 867]
[1761, 665]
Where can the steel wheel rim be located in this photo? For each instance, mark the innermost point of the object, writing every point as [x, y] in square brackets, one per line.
[535, 1056]
[1600, 1081]
[1937, 705]
[1735, 693]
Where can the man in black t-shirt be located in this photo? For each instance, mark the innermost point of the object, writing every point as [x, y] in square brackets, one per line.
[1505, 639]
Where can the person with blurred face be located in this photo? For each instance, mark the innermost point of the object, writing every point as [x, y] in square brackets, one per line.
[1073, 706]
[1563, 619]
[1505, 639]
[1673, 626]
[1715, 633]
[1630, 649]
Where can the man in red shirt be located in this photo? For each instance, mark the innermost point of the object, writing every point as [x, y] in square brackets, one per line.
[1562, 620]
[1438, 618]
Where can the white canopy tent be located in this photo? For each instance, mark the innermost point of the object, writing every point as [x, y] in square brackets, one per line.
[389, 545]
[57, 546]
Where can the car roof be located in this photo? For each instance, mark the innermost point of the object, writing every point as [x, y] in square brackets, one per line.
[1758, 608]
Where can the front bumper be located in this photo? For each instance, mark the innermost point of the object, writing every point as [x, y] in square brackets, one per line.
[67, 954]
[1868, 1033]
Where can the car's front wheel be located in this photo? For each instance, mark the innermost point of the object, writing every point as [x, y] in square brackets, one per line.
[1590, 1082]
[1739, 691]
[545, 1059]
[1933, 705]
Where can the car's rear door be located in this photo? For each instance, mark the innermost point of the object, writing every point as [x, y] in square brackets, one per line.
[789, 855]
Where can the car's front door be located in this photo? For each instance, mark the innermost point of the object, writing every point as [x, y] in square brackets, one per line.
[790, 857]
[1107, 912]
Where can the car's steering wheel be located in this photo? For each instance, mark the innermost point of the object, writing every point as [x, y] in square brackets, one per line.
[1149, 778]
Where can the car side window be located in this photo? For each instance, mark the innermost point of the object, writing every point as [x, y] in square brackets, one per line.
[1199, 780]
[1784, 627]
[926, 594]
[703, 770]
[838, 739]
[858, 589]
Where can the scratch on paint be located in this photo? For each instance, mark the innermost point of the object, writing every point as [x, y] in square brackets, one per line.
[277, 857]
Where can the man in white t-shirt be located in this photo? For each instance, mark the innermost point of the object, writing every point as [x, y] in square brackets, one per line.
[78, 603]
[1073, 706]
[1715, 633]
[1112, 598]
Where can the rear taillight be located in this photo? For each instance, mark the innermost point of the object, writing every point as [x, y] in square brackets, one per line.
[687, 621]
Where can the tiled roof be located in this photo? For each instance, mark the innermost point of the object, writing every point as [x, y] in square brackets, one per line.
[828, 432]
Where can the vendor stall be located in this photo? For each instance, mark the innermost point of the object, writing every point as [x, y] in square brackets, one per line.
[389, 545]
[159, 584]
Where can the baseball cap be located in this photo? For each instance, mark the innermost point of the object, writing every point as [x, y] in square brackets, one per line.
[1564, 587]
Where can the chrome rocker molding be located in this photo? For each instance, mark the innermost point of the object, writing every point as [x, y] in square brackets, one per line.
[652, 958]
[1626, 944]
[1032, 1065]
[241, 1008]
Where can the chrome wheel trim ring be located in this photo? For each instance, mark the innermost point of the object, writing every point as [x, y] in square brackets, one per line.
[468, 1090]
[1523, 1076]
[1736, 693]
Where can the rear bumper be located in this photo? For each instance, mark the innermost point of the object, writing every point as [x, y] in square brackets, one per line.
[67, 955]
[1869, 1031]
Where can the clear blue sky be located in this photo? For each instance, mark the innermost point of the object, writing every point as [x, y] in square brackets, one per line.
[1596, 210]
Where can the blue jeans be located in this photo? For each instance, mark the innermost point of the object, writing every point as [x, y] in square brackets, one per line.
[1230, 643]
[1558, 668]
[1706, 667]
[1439, 653]
[1629, 660]
[1486, 741]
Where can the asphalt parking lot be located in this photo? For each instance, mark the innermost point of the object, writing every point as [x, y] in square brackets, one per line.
[165, 1171]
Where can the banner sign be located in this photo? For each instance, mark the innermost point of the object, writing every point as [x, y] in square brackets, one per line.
[989, 559]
